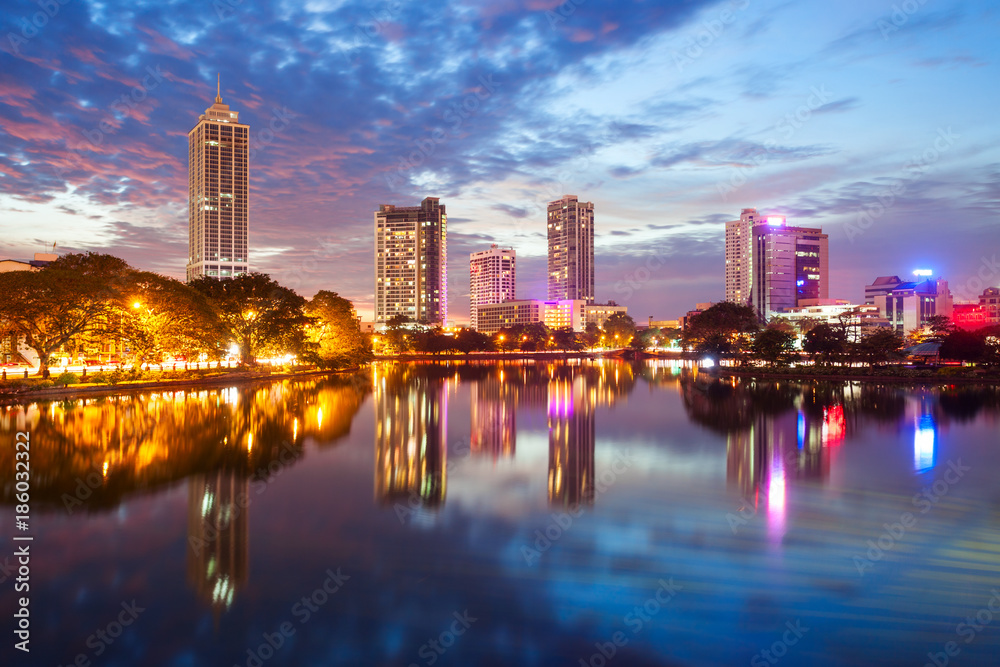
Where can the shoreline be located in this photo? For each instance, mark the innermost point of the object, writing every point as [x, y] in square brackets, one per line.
[874, 379]
[78, 391]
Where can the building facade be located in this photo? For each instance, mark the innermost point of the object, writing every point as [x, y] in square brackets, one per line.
[411, 262]
[599, 313]
[570, 226]
[989, 300]
[218, 194]
[857, 320]
[492, 279]
[565, 314]
[739, 256]
[790, 264]
[910, 305]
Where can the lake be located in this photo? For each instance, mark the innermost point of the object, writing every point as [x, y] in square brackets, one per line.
[576, 513]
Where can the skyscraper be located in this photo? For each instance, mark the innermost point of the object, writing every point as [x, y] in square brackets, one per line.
[571, 249]
[218, 193]
[790, 266]
[739, 256]
[411, 262]
[491, 279]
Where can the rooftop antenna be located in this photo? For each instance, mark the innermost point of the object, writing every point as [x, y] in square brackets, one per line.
[218, 88]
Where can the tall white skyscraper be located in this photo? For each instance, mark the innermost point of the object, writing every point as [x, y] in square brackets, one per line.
[570, 226]
[492, 279]
[739, 256]
[411, 262]
[218, 194]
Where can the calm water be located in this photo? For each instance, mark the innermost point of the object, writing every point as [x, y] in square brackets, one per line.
[513, 515]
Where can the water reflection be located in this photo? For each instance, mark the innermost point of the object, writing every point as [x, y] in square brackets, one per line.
[803, 459]
[92, 455]
[217, 536]
[411, 426]
[571, 407]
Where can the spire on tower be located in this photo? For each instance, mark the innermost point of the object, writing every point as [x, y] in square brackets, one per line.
[218, 86]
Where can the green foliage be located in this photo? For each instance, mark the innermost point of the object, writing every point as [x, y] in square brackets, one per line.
[336, 332]
[824, 342]
[66, 379]
[160, 316]
[68, 301]
[258, 314]
[964, 345]
[619, 329]
[880, 346]
[722, 329]
[773, 345]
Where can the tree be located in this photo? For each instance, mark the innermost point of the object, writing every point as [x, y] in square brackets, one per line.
[724, 328]
[63, 303]
[470, 340]
[399, 334]
[940, 326]
[565, 339]
[880, 346]
[591, 335]
[336, 331]
[782, 324]
[257, 314]
[824, 341]
[619, 329]
[964, 345]
[772, 344]
[807, 324]
[645, 338]
[160, 315]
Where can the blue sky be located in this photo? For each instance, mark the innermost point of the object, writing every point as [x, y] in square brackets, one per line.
[875, 121]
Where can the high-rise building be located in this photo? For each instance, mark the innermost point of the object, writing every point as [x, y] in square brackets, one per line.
[789, 265]
[571, 250]
[218, 194]
[491, 279]
[739, 256]
[411, 262]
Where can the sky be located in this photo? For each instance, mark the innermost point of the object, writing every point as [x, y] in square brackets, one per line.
[875, 121]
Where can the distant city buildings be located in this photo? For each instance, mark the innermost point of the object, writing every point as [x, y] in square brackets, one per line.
[218, 194]
[573, 314]
[411, 262]
[857, 319]
[789, 264]
[909, 305]
[492, 279]
[989, 300]
[568, 313]
[570, 226]
[599, 313]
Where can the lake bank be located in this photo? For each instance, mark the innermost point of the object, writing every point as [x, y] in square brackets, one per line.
[82, 390]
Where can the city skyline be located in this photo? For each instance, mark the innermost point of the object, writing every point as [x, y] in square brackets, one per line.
[835, 131]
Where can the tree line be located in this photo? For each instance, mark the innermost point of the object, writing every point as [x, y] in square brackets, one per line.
[402, 335]
[81, 302]
[733, 330]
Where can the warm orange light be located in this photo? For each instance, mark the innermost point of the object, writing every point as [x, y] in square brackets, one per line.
[137, 305]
